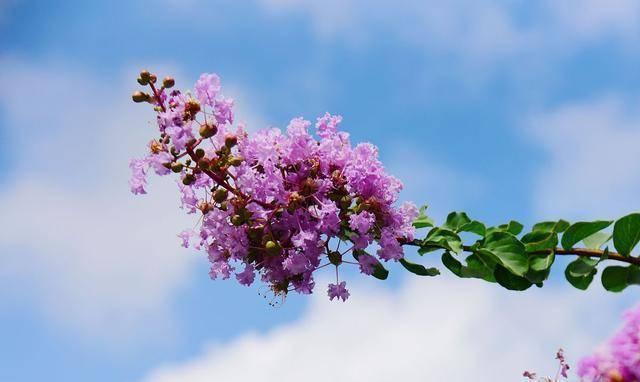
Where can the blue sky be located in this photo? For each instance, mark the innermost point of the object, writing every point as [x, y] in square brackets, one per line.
[507, 109]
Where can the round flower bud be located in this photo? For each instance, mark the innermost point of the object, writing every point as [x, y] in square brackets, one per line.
[153, 79]
[188, 179]
[220, 195]
[200, 153]
[203, 163]
[208, 130]
[142, 81]
[273, 248]
[237, 220]
[308, 187]
[345, 202]
[168, 82]
[177, 167]
[224, 206]
[335, 258]
[230, 141]
[140, 97]
[145, 75]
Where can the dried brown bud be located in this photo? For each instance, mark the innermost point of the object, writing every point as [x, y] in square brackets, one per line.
[230, 141]
[335, 258]
[168, 82]
[140, 97]
[145, 75]
[308, 187]
[177, 167]
[188, 179]
[208, 130]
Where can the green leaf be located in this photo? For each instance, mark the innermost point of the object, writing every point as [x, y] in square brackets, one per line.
[439, 238]
[582, 266]
[540, 240]
[508, 251]
[474, 227]
[455, 220]
[541, 262]
[540, 267]
[574, 274]
[626, 233]
[379, 271]
[509, 280]
[452, 264]
[419, 269]
[423, 221]
[552, 226]
[513, 227]
[578, 231]
[479, 268]
[596, 240]
[617, 278]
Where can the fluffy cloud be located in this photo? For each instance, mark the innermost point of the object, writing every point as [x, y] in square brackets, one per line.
[428, 330]
[75, 244]
[590, 168]
[482, 30]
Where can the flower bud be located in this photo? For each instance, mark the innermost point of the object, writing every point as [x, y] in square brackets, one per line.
[345, 202]
[230, 141]
[273, 248]
[208, 130]
[188, 179]
[308, 187]
[153, 78]
[140, 97]
[203, 163]
[145, 75]
[255, 233]
[200, 153]
[335, 258]
[220, 195]
[142, 81]
[177, 167]
[237, 220]
[224, 206]
[235, 161]
[168, 82]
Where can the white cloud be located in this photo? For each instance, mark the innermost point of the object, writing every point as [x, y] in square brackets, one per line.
[429, 330]
[74, 243]
[590, 167]
[480, 30]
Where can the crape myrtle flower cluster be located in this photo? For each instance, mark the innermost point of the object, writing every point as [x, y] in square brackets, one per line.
[279, 205]
[619, 360]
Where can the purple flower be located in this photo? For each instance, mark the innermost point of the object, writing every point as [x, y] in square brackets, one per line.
[247, 275]
[338, 290]
[207, 88]
[362, 222]
[186, 236]
[138, 176]
[367, 264]
[281, 205]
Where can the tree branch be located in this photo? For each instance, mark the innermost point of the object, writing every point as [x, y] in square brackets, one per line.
[581, 252]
